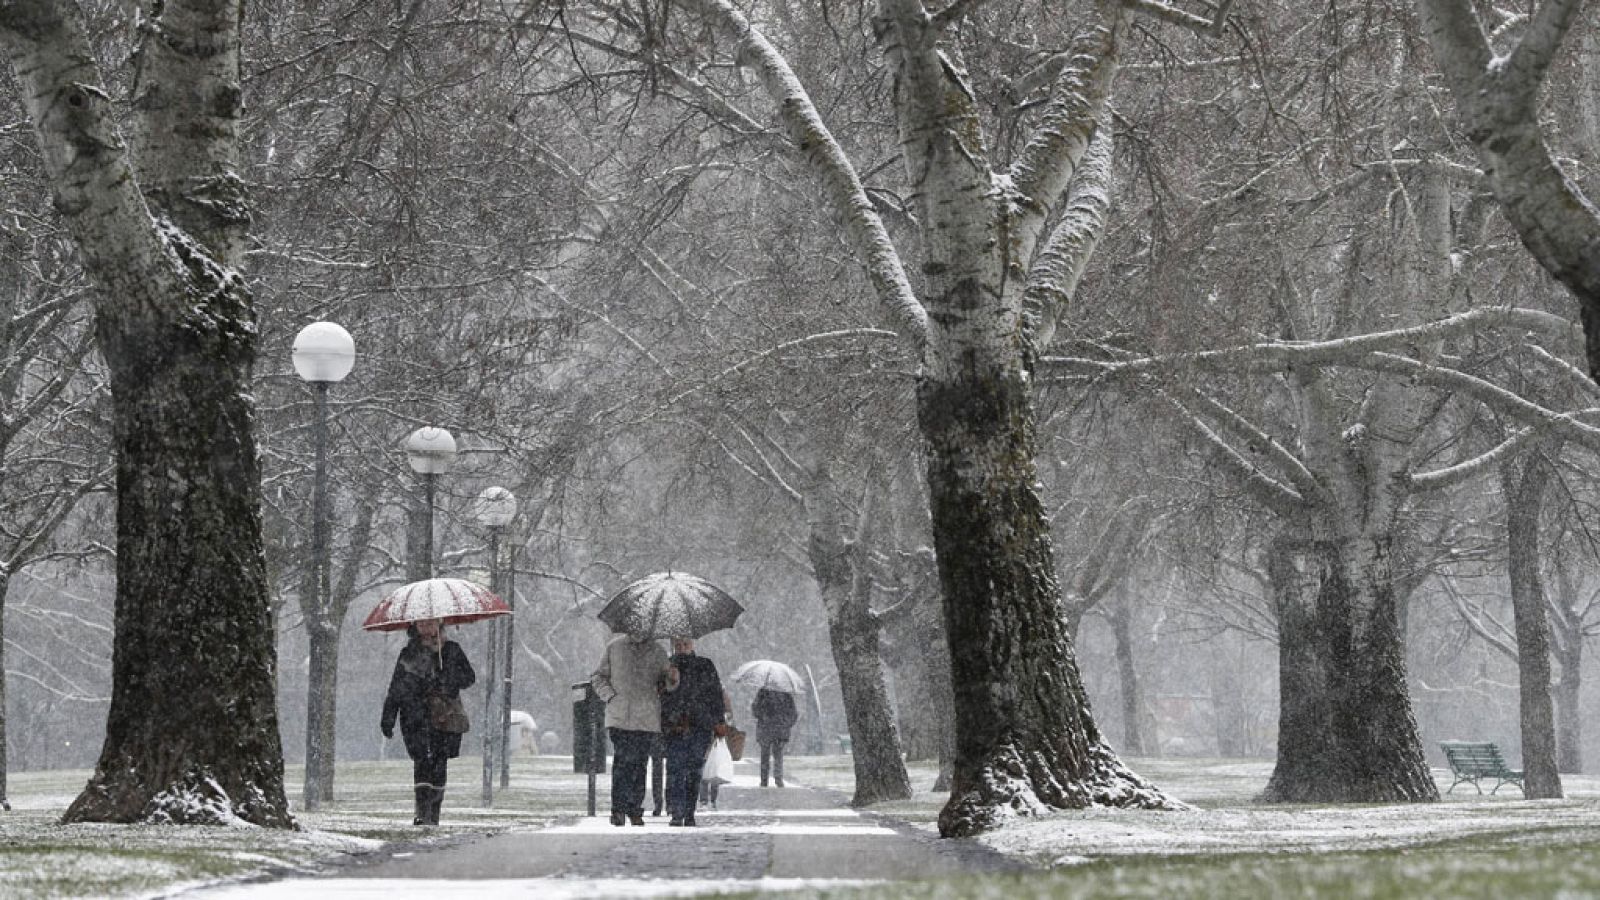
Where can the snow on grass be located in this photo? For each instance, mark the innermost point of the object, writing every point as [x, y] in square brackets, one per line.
[540, 888]
[1221, 847]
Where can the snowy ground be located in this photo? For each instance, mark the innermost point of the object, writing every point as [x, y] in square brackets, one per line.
[1223, 846]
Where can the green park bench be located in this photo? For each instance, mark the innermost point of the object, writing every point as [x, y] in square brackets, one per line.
[1471, 761]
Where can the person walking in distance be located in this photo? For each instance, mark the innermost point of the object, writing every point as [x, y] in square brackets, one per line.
[775, 715]
[631, 675]
[428, 666]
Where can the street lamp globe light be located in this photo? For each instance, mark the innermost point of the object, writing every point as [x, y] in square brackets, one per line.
[323, 353]
[496, 507]
[430, 451]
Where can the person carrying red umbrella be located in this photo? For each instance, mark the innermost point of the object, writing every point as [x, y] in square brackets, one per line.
[429, 676]
[425, 691]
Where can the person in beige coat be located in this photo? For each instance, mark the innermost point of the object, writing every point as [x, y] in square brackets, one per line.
[630, 679]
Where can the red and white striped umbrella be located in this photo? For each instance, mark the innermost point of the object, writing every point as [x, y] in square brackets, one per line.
[452, 599]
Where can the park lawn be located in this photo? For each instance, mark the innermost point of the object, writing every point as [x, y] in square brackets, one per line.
[372, 814]
[1223, 846]
[1527, 866]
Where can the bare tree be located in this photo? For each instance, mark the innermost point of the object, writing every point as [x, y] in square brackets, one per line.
[192, 734]
[1497, 97]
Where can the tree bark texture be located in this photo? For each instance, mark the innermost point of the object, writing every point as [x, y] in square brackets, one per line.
[1128, 677]
[192, 734]
[1025, 737]
[1026, 740]
[1346, 732]
[1525, 499]
[1569, 719]
[5, 755]
[853, 634]
[322, 693]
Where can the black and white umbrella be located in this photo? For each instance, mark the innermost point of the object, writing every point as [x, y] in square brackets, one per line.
[670, 604]
[770, 675]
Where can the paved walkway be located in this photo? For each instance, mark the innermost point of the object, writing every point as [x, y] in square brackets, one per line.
[759, 839]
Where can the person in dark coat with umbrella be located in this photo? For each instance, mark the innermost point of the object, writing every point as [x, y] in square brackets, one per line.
[691, 715]
[428, 664]
[775, 715]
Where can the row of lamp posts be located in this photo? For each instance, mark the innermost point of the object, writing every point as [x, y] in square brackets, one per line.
[324, 354]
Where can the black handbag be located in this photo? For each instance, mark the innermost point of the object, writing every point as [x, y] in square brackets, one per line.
[447, 714]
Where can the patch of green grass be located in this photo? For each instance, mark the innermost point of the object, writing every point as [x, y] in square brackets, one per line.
[89, 870]
[1537, 864]
[44, 859]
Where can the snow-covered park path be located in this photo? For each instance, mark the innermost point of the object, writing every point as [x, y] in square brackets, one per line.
[758, 839]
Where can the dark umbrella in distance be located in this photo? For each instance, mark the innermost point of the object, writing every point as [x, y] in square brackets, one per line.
[769, 675]
[670, 604]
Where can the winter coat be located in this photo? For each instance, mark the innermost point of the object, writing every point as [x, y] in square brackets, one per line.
[629, 681]
[775, 715]
[696, 703]
[417, 672]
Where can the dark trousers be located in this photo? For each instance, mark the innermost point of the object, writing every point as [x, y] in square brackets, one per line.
[658, 770]
[428, 772]
[686, 753]
[772, 758]
[430, 769]
[631, 757]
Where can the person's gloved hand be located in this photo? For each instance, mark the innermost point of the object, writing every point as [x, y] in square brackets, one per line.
[388, 731]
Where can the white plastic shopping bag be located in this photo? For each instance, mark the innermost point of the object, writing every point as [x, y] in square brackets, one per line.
[719, 763]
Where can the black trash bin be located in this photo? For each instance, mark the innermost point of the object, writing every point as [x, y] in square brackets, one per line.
[588, 735]
[588, 731]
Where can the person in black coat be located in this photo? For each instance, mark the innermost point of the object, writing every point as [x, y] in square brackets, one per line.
[428, 663]
[775, 715]
[691, 713]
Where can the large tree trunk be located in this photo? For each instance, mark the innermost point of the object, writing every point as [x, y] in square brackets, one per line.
[853, 632]
[1525, 496]
[192, 734]
[1026, 741]
[1025, 738]
[1346, 732]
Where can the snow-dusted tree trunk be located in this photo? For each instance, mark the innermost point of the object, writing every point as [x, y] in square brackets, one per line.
[1025, 737]
[1346, 732]
[854, 634]
[1497, 99]
[1524, 491]
[994, 274]
[192, 734]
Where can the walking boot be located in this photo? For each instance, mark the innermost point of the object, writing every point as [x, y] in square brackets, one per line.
[434, 806]
[424, 802]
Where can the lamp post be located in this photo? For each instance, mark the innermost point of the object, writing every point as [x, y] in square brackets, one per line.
[323, 355]
[430, 451]
[495, 508]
